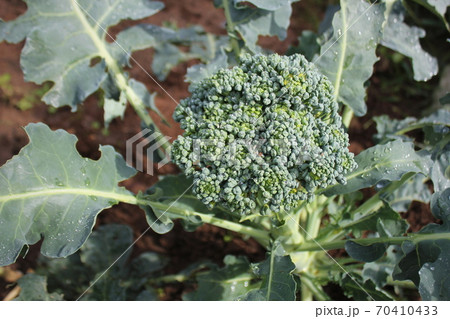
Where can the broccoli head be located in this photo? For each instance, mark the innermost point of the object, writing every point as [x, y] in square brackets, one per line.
[262, 135]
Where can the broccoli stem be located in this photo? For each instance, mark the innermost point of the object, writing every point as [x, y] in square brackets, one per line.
[231, 30]
[347, 116]
[310, 289]
[260, 235]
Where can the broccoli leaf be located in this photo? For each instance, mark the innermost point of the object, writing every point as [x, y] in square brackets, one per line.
[347, 57]
[56, 193]
[414, 189]
[426, 262]
[251, 22]
[364, 253]
[64, 37]
[440, 171]
[34, 288]
[308, 45]
[227, 283]
[380, 270]
[114, 109]
[402, 38]
[354, 287]
[266, 4]
[388, 162]
[278, 282]
[438, 7]
[105, 259]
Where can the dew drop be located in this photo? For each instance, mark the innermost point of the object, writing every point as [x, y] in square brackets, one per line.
[87, 182]
[93, 197]
[58, 182]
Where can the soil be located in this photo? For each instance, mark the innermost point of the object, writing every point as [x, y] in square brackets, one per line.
[180, 246]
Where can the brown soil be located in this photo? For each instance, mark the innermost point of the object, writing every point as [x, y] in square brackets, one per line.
[180, 246]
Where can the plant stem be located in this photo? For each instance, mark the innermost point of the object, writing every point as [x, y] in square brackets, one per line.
[231, 30]
[317, 291]
[260, 235]
[119, 77]
[347, 116]
[415, 238]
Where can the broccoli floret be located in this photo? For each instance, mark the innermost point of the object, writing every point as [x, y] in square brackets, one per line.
[262, 135]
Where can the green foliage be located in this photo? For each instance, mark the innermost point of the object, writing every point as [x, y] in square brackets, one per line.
[347, 57]
[56, 193]
[227, 283]
[79, 28]
[403, 38]
[282, 101]
[107, 248]
[267, 18]
[388, 162]
[278, 283]
[426, 262]
[34, 287]
[263, 150]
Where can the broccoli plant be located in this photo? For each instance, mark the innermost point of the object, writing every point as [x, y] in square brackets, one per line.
[264, 154]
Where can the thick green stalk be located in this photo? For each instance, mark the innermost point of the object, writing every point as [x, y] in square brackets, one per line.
[231, 29]
[347, 116]
[313, 289]
[261, 235]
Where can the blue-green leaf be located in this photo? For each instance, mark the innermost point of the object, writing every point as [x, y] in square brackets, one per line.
[278, 282]
[348, 56]
[251, 22]
[414, 189]
[365, 253]
[405, 39]
[308, 45]
[64, 37]
[266, 4]
[380, 270]
[48, 190]
[34, 288]
[426, 262]
[388, 162]
[225, 284]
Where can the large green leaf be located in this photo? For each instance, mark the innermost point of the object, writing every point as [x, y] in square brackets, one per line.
[48, 190]
[105, 259]
[278, 282]
[34, 288]
[440, 171]
[307, 46]
[426, 262]
[438, 7]
[380, 270]
[347, 57]
[272, 18]
[65, 36]
[227, 283]
[414, 189]
[388, 162]
[359, 289]
[405, 39]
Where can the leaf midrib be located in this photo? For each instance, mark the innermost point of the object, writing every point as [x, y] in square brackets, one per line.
[69, 191]
[340, 69]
